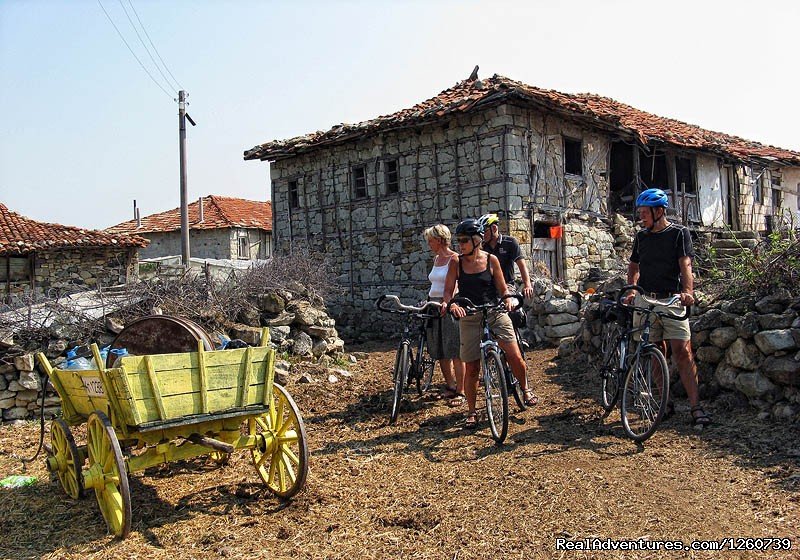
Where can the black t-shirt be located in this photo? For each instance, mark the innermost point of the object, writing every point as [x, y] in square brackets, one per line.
[507, 252]
[657, 255]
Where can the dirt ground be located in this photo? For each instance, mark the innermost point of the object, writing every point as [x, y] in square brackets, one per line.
[426, 488]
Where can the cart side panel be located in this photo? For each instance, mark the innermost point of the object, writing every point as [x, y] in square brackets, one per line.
[84, 390]
[178, 390]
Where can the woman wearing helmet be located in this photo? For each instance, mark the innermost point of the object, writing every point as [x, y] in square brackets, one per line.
[661, 264]
[480, 280]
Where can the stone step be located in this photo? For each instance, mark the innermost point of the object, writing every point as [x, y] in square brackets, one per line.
[740, 235]
[734, 243]
[721, 253]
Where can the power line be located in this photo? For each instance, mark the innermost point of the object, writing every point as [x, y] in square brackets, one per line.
[164, 64]
[146, 48]
[133, 53]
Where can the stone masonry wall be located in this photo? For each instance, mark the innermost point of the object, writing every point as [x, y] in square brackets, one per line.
[86, 268]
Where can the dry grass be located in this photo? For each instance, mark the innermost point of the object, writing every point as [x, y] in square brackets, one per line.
[425, 488]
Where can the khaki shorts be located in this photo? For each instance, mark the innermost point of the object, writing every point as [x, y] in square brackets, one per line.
[471, 333]
[662, 328]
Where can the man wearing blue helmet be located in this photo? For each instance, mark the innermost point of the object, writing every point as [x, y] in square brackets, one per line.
[661, 264]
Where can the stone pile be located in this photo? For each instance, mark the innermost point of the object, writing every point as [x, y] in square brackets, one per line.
[752, 346]
[20, 386]
[553, 316]
[296, 326]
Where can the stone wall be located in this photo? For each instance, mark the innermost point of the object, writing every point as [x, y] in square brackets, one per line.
[85, 268]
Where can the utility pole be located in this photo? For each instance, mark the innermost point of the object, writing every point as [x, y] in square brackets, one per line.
[182, 117]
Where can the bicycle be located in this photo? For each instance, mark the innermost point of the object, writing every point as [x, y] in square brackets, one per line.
[408, 367]
[644, 394]
[494, 367]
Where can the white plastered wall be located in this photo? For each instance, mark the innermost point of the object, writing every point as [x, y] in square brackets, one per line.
[710, 192]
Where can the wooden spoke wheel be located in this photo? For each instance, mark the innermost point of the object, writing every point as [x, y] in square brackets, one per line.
[281, 452]
[107, 474]
[66, 461]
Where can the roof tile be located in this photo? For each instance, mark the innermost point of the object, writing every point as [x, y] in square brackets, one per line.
[469, 94]
[19, 234]
[218, 212]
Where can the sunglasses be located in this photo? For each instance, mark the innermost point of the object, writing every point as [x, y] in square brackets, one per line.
[464, 240]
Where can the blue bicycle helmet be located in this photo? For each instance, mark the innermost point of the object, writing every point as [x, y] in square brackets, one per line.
[653, 198]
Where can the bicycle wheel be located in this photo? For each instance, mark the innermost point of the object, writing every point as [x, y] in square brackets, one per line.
[424, 365]
[402, 367]
[645, 394]
[514, 386]
[610, 365]
[496, 395]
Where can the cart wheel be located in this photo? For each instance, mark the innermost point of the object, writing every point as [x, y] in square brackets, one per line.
[281, 453]
[66, 461]
[107, 474]
[220, 458]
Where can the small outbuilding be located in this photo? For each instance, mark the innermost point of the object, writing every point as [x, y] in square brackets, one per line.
[44, 259]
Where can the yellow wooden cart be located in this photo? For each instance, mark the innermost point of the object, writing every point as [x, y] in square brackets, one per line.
[158, 408]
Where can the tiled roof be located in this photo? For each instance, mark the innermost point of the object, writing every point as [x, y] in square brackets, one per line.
[593, 109]
[218, 212]
[20, 235]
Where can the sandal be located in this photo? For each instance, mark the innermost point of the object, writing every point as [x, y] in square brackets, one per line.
[471, 421]
[450, 393]
[700, 417]
[458, 400]
[530, 398]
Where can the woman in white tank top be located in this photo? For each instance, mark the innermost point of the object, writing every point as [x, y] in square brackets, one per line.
[443, 335]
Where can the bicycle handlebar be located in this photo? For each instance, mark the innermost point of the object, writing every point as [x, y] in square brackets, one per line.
[471, 308]
[430, 308]
[633, 287]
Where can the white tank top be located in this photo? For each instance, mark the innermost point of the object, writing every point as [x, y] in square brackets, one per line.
[437, 277]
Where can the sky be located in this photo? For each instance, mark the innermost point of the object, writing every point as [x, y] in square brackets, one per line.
[85, 131]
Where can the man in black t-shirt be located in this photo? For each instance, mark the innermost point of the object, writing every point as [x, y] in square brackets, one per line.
[507, 251]
[661, 264]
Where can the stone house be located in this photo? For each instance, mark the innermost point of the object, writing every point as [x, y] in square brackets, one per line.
[557, 167]
[220, 227]
[38, 258]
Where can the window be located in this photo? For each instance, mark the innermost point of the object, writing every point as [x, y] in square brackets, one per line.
[757, 177]
[244, 246]
[777, 200]
[360, 181]
[294, 195]
[684, 174]
[390, 171]
[573, 163]
[15, 270]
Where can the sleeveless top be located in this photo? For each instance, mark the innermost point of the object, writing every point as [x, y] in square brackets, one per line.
[437, 277]
[478, 287]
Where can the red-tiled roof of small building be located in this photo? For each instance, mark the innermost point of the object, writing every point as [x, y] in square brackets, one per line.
[21, 235]
[595, 110]
[219, 212]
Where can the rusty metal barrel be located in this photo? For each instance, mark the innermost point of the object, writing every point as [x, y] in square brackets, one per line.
[160, 334]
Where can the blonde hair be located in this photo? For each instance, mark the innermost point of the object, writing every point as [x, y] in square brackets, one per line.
[439, 231]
